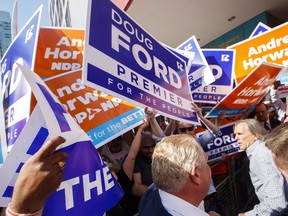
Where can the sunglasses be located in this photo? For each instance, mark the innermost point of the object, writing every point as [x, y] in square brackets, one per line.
[183, 130]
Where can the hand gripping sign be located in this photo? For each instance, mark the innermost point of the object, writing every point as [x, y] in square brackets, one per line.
[120, 58]
[88, 186]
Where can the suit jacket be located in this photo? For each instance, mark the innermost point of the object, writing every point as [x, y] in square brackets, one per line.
[274, 122]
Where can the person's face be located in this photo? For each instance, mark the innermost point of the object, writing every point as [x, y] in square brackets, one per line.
[185, 128]
[115, 145]
[147, 148]
[280, 166]
[243, 136]
[261, 113]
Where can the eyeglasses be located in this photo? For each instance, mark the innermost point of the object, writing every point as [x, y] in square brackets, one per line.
[183, 130]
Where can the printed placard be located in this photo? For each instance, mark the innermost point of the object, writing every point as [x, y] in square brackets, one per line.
[122, 59]
[269, 46]
[222, 144]
[221, 63]
[260, 28]
[199, 73]
[84, 189]
[103, 117]
[59, 50]
[283, 76]
[15, 91]
[249, 92]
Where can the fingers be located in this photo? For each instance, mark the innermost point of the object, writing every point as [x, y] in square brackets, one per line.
[56, 157]
[50, 146]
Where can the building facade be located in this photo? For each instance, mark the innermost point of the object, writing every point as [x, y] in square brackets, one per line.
[5, 32]
[59, 12]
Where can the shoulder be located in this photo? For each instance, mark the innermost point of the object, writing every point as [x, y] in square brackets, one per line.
[274, 122]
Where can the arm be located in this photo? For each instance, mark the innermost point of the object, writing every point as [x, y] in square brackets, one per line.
[150, 115]
[40, 176]
[138, 188]
[269, 184]
[279, 105]
[129, 162]
[212, 127]
[171, 127]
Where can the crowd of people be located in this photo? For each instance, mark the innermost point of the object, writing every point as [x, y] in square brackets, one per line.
[163, 170]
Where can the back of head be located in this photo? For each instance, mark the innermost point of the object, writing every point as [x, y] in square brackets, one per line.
[277, 142]
[173, 160]
[254, 127]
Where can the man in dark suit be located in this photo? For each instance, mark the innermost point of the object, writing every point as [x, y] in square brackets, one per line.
[262, 115]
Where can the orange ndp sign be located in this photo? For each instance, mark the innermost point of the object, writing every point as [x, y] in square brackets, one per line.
[249, 92]
[89, 107]
[59, 50]
[271, 46]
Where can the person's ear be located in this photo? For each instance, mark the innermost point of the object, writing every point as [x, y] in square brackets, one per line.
[195, 175]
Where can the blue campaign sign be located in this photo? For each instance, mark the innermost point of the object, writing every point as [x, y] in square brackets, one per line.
[101, 190]
[122, 59]
[199, 73]
[221, 63]
[86, 189]
[283, 76]
[222, 144]
[15, 91]
[1, 156]
[260, 28]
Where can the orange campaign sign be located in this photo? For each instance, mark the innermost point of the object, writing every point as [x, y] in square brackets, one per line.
[59, 50]
[249, 92]
[270, 46]
[103, 117]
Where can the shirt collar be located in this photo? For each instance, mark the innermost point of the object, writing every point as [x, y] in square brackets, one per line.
[179, 207]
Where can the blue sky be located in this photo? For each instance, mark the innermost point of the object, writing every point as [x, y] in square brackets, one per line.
[26, 9]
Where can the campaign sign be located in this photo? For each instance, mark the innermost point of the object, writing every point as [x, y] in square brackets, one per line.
[15, 91]
[1, 156]
[249, 92]
[221, 63]
[283, 91]
[88, 186]
[222, 144]
[59, 50]
[269, 46]
[103, 117]
[199, 73]
[283, 76]
[122, 59]
[260, 28]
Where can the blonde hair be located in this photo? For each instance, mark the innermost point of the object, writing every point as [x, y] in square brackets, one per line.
[173, 160]
[277, 142]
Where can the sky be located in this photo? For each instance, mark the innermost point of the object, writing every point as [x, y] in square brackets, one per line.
[26, 9]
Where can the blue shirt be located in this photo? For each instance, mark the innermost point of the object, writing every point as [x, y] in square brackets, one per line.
[270, 186]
